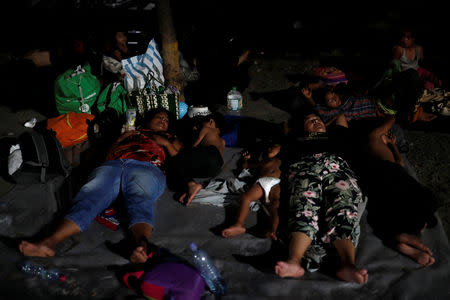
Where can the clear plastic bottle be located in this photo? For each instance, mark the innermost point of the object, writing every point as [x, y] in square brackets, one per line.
[234, 101]
[209, 271]
[41, 271]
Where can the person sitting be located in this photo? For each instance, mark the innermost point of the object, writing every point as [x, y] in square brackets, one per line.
[408, 55]
[321, 189]
[204, 159]
[133, 166]
[119, 49]
[405, 81]
[402, 209]
[267, 186]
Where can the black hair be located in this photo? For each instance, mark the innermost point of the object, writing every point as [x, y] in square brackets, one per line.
[297, 122]
[221, 123]
[306, 112]
[149, 115]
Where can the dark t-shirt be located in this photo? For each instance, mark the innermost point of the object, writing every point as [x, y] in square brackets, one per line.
[336, 140]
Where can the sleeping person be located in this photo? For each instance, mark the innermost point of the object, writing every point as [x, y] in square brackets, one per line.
[204, 159]
[266, 188]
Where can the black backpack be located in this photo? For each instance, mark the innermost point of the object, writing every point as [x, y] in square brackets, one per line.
[41, 189]
[43, 157]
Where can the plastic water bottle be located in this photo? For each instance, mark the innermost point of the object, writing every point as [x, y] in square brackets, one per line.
[208, 270]
[234, 101]
[41, 271]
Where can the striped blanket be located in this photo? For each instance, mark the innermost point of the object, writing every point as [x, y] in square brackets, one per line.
[139, 68]
[354, 108]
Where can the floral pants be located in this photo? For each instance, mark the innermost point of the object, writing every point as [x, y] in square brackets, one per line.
[324, 202]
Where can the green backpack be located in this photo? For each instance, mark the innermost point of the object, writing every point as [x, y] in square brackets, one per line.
[76, 90]
[114, 95]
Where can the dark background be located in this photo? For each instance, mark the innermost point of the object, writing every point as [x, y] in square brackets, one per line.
[361, 33]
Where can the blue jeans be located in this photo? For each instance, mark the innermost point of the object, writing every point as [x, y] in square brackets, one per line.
[141, 183]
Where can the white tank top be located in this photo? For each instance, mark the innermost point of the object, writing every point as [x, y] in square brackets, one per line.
[409, 63]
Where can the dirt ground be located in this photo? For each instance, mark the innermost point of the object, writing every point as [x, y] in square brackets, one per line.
[429, 156]
[428, 149]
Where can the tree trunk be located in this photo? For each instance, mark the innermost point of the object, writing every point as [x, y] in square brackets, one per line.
[171, 63]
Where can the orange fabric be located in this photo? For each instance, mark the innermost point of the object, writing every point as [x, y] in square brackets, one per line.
[71, 128]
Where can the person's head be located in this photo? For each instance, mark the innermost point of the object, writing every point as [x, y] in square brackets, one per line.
[313, 124]
[407, 39]
[332, 99]
[120, 37]
[311, 121]
[159, 119]
[211, 120]
[199, 122]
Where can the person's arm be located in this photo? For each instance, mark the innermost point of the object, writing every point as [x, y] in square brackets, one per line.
[118, 55]
[420, 52]
[397, 52]
[172, 148]
[390, 142]
[307, 93]
[201, 136]
[247, 164]
[341, 120]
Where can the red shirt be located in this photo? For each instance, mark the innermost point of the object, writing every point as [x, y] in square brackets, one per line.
[139, 147]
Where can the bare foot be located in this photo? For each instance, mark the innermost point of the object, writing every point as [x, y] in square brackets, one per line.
[352, 274]
[412, 246]
[233, 231]
[40, 250]
[139, 255]
[426, 117]
[289, 269]
[193, 189]
[420, 256]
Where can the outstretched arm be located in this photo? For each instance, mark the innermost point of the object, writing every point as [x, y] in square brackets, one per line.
[307, 93]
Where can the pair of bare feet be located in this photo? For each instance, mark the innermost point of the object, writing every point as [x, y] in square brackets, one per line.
[42, 249]
[412, 246]
[348, 273]
[193, 189]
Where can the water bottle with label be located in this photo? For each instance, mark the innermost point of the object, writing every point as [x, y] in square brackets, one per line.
[234, 101]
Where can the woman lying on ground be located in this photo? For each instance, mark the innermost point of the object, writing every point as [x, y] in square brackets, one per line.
[134, 167]
[324, 200]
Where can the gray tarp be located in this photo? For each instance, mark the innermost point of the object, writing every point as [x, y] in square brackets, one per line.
[245, 261]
